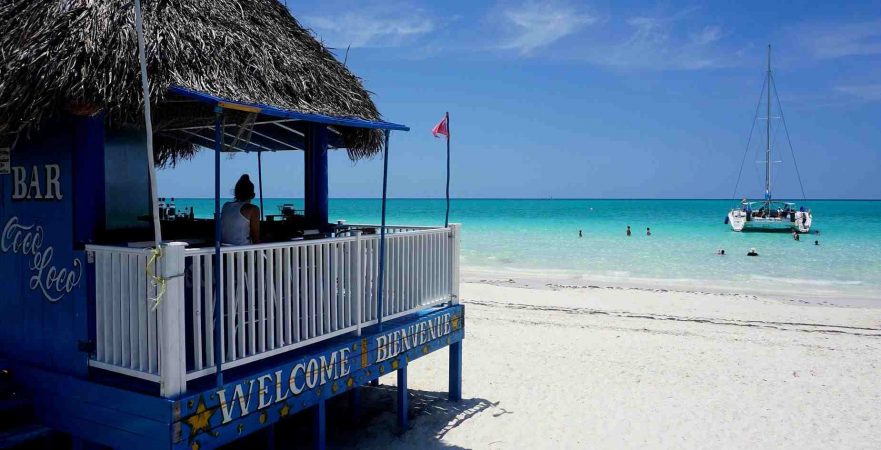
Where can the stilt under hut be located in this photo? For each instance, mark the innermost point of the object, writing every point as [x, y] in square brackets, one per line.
[127, 329]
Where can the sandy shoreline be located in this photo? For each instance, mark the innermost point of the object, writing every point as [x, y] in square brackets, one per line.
[555, 366]
[560, 279]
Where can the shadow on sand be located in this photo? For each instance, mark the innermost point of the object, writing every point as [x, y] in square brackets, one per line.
[431, 417]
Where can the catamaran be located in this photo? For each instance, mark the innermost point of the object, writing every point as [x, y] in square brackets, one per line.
[770, 214]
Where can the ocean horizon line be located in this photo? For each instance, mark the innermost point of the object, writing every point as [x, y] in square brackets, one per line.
[556, 198]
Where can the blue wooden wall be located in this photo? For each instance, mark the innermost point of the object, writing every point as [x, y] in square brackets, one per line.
[47, 210]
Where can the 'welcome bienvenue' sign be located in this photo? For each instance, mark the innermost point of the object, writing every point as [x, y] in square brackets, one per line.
[299, 384]
[317, 371]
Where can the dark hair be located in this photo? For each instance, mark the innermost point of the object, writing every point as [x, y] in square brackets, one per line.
[244, 188]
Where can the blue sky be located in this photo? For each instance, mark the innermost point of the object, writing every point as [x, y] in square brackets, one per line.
[618, 99]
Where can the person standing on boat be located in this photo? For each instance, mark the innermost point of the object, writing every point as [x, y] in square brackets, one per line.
[239, 219]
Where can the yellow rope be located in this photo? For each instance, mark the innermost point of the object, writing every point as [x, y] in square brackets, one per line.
[156, 281]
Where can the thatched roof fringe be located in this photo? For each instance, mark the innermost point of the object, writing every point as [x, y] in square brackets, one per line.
[81, 55]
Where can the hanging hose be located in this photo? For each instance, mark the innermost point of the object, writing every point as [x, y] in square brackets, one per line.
[156, 280]
[156, 252]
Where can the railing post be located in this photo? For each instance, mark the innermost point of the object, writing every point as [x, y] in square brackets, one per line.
[456, 231]
[172, 328]
[357, 283]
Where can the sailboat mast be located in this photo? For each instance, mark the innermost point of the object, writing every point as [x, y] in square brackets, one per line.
[768, 130]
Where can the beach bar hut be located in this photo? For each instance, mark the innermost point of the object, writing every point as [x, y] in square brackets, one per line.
[126, 329]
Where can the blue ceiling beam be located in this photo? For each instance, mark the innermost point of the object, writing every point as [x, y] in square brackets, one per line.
[284, 113]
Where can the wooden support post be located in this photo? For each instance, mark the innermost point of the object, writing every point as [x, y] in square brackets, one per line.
[456, 230]
[217, 319]
[319, 425]
[456, 371]
[355, 405]
[270, 437]
[357, 286]
[380, 282]
[172, 328]
[315, 161]
[403, 401]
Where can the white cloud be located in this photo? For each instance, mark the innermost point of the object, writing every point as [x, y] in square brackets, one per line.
[865, 92]
[707, 35]
[536, 24]
[678, 41]
[836, 40]
[372, 27]
[663, 42]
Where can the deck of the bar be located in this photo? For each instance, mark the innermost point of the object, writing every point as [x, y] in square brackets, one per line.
[253, 397]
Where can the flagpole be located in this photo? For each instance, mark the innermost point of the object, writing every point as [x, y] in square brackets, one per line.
[447, 218]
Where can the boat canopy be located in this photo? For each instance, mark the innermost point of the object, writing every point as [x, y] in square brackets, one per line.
[265, 127]
[764, 202]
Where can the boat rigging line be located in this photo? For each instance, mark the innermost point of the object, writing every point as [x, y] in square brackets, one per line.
[788, 140]
[749, 140]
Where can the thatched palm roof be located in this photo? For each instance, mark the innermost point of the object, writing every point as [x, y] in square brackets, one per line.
[81, 56]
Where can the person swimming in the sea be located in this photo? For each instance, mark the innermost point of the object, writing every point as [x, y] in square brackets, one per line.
[752, 252]
[628, 230]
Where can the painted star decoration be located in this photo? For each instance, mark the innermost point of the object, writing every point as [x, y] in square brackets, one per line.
[201, 420]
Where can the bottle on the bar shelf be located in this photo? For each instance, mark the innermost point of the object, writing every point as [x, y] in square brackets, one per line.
[172, 210]
[192, 214]
[161, 208]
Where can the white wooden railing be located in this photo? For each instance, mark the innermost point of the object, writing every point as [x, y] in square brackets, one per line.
[126, 321]
[274, 298]
[389, 229]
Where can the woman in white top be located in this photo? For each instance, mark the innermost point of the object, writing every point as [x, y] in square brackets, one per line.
[239, 219]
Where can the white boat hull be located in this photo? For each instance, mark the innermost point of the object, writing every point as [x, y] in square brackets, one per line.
[739, 221]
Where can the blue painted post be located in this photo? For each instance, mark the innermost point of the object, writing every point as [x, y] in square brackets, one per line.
[355, 405]
[270, 437]
[316, 175]
[218, 147]
[89, 214]
[381, 281]
[403, 401]
[319, 425]
[260, 182]
[456, 371]
[88, 190]
[447, 216]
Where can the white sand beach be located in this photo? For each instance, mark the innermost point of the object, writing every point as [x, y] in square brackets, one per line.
[551, 365]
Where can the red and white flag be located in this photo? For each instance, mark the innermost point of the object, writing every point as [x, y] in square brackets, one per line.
[441, 128]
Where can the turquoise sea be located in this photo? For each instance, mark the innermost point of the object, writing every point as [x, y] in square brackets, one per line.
[539, 236]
